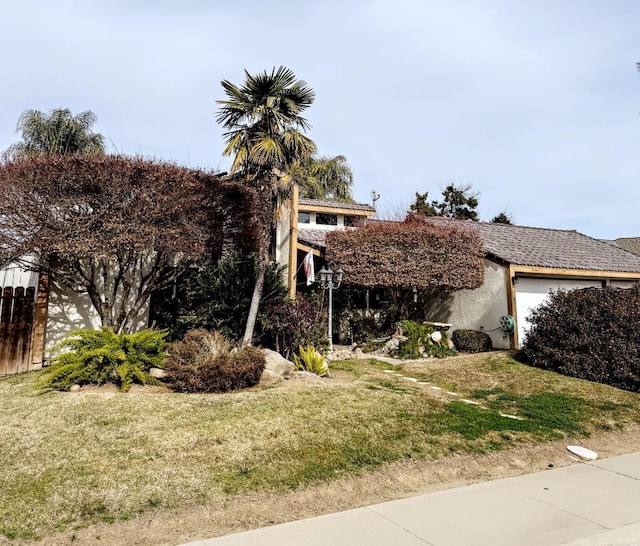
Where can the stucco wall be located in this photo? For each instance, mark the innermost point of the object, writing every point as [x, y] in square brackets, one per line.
[69, 311]
[478, 309]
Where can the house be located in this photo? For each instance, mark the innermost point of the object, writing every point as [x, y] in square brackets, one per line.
[36, 311]
[522, 265]
[307, 221]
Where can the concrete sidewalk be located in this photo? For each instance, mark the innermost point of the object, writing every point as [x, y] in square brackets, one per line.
[586, 504]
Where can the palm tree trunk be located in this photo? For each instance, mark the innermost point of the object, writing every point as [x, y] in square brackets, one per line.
[255, 299]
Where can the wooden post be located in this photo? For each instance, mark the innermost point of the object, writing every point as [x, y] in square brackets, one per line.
[512, 308]
[293, 243]
[40, 322]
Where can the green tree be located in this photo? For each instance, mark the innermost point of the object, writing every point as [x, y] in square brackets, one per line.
[57, 132]
[458, 202]
[216, 296]
[265, 134]
[502, 218]
[422, 205]
[326, 178]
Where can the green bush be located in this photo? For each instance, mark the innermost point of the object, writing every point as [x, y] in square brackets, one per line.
[216, 297]
[101, 356]
[591, 333]
[310, 360]
[419, 343]
[472, 341]
[202, 362]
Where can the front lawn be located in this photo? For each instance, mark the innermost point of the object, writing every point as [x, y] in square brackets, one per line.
[71, 459]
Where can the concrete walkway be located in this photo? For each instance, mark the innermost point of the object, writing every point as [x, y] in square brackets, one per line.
[586, 504]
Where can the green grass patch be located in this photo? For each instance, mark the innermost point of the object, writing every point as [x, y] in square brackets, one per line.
[71, 459]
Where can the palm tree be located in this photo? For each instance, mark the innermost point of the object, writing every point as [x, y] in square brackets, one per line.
[58, 132]
[264, 132]
[327, 178]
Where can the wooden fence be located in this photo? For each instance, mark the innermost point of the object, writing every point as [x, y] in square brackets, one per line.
[17, 312]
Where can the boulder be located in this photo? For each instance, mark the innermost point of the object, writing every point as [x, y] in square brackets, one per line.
[392, 345]
[158, 373]
[269, 378]
[342, 354]
[74, 388]
[277, 364]
[308, 377]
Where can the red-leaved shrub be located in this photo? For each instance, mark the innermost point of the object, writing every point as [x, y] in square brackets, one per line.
[590, 333]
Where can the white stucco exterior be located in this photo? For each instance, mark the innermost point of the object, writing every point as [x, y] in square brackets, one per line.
[481, 308]
[69, 310]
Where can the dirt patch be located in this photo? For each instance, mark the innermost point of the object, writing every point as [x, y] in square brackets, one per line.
[166, 527]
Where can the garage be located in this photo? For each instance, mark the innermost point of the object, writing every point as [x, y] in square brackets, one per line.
[531, 292]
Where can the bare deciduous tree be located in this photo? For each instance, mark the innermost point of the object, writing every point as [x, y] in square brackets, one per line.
[116, 228]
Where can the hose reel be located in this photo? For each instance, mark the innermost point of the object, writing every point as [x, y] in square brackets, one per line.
[507, 324]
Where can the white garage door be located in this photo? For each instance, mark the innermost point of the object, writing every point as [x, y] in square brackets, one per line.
[531, 292]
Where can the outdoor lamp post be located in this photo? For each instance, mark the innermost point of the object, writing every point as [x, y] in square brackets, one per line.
[327, 280]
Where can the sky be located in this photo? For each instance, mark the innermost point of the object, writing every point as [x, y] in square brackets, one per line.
[535, 103]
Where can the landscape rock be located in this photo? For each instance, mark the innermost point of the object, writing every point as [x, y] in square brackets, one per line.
[269, 378]
[308, 377]
[74, 388]
[342, 354]
[358, 353]
[392, 345]
[158, 373]
[276, 365]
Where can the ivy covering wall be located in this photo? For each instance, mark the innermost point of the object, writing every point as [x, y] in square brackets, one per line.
[411, 254]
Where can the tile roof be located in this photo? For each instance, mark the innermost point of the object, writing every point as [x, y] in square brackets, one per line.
[630, 244]
[336, 204]
[556, 248]
[536, 247]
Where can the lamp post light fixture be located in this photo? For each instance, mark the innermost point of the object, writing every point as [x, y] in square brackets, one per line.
[330, 280]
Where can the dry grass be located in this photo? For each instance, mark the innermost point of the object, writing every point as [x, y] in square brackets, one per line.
[70, 459]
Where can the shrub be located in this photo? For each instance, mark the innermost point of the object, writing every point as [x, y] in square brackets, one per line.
[216, 297]
[419, 342]
[102, 356]
[472, 341]
[202, 362]
[420, 253]
[591, 333]
[292, 324]
[310, 360]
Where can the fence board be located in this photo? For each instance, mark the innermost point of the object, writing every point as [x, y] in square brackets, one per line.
[5, 320]
[16, 329]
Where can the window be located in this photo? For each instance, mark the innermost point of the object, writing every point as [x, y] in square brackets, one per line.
[352, 221]
[304, 218]
[326, 219]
